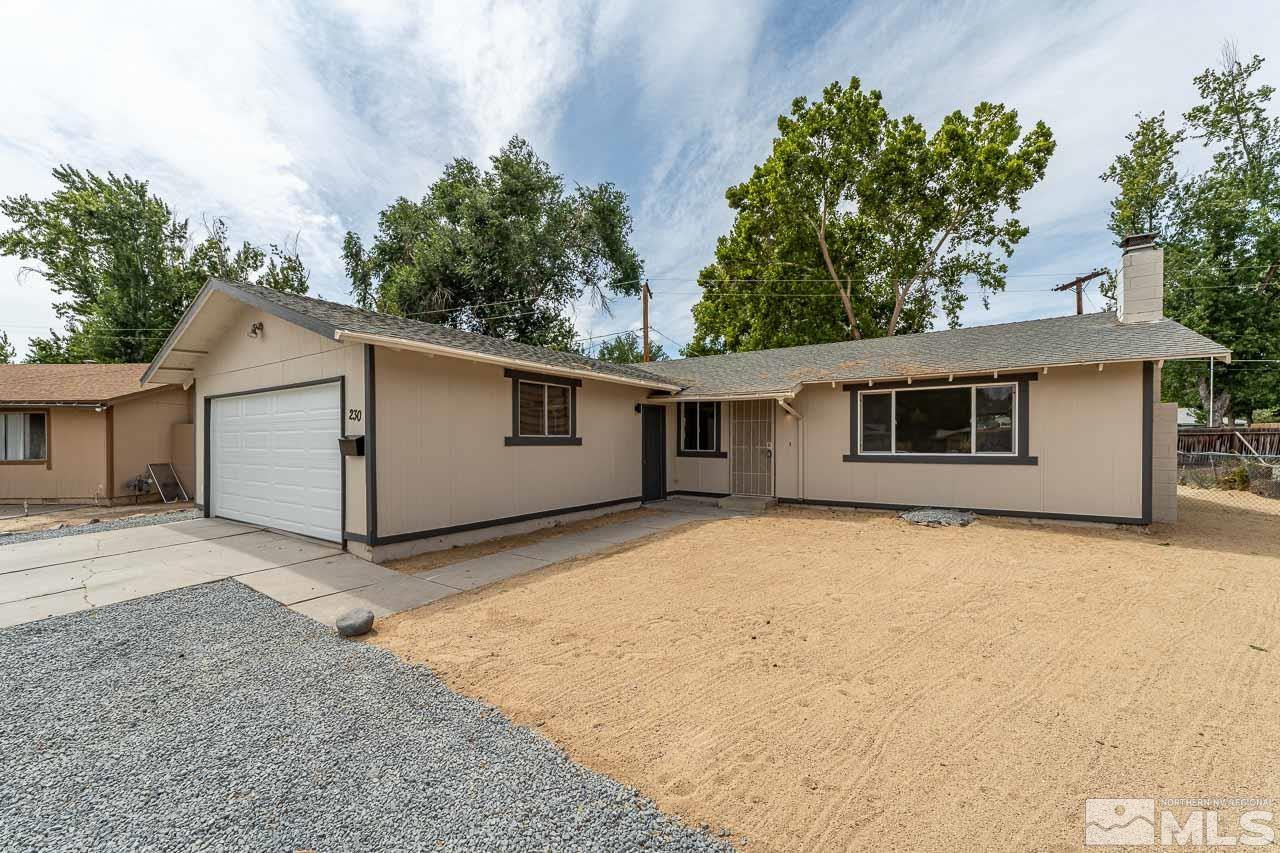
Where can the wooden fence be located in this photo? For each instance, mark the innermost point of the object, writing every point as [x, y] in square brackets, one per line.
[1262, 441]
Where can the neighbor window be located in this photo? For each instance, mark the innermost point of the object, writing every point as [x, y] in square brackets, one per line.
[969, 420]
[23, 437]
[700, 428]
[545, 409]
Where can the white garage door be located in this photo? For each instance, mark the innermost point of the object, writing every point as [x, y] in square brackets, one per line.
[274, 460]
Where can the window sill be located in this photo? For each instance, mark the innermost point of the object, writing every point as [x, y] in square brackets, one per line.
[941, 459]
[24, 461]
[543, 440]
[703, 454]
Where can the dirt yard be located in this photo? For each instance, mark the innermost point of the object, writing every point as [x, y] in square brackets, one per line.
[818, 680]
[47, 516]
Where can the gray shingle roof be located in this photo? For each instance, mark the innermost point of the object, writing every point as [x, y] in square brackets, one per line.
[334, 316]
[1077, 339]
[1085, 338]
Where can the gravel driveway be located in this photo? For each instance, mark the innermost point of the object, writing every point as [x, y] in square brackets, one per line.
[212, 719]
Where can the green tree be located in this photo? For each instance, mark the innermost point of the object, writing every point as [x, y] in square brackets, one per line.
[7, 351]
[504, 252]
[123, 264]
[862, 225]
[1221, 233]
[627, 349]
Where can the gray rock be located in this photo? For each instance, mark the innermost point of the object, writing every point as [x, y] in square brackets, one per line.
[939, 517]
[211, 718]
[355, 622]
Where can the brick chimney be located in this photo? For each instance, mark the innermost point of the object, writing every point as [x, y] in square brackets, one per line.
[1140, 289]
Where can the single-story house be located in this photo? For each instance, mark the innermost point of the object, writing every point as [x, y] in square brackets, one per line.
[80, 433]
[448, 436]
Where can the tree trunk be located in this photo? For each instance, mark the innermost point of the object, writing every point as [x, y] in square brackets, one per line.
[1221, 406]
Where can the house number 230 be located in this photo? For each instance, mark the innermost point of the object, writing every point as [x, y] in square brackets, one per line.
[353, 414]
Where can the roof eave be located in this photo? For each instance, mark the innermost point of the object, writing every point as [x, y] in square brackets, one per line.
[409, 344]
[216, 285]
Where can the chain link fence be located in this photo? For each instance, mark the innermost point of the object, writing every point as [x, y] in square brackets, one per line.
[1241, 478]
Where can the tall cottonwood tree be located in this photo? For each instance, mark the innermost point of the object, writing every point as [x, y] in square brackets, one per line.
[860, 224]
[124, 265]
[1221, 232]
[504, 251]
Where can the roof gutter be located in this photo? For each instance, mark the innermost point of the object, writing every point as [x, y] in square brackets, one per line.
[53, 404]
[469, 355]
[1223, 356]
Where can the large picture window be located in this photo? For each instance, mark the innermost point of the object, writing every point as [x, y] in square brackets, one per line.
[543, 409]
[948, 421]
[700, 429]
[24, 437]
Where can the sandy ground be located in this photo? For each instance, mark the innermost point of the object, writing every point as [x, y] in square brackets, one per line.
[819, 680]
[435, 559]
[45, 516]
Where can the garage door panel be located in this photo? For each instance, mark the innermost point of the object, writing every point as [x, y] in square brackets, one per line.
[275, 460]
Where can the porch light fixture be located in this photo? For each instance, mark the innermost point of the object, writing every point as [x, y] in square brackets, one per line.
[255, 330]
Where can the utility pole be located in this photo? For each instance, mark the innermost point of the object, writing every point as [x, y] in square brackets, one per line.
[1078, 284]
[644, 302]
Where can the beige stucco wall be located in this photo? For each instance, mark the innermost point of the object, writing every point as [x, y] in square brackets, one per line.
[1164, 467]
[442, 460]
[78, 442]
[283, 354]
[695, 474]
[1085, 428]
[143, 432]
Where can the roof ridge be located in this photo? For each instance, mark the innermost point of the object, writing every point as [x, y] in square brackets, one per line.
[583, 361]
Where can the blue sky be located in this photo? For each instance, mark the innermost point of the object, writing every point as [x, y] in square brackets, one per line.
[310, 117]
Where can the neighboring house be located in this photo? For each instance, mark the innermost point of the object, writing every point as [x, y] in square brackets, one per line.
[79, 433]
[453, 436]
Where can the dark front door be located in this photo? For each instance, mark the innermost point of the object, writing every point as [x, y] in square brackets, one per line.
[654, 453]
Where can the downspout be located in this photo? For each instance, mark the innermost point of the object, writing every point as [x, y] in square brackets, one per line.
[800, 440]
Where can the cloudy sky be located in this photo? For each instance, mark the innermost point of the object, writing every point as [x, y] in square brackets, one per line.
[308, 118]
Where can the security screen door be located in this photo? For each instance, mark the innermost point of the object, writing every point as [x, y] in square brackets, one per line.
[751, 447]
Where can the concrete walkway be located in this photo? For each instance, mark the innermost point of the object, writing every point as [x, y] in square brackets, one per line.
[53, 577]
[400, 592]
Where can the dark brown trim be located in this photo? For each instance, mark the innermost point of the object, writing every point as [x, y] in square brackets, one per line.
[370, 445]
[111, 452]
[542, 441]
[355, 537]
[942, 458]
[518, 440]
[509, 373]
[1023, 426]
[496, 522]
[982, 379]
[718, 452]
[289, 387]
[694, 494]
[1009, 513]
[1148, 436]
[204, 462]
[48, 459]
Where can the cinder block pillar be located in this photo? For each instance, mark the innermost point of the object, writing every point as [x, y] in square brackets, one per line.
[1164, 463]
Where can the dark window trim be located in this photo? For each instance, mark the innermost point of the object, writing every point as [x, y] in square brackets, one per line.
[47, 459]
[717, 452]
[518, 440]
[1022, 428]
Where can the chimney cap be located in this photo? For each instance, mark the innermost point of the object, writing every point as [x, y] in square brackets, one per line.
[1138, 241]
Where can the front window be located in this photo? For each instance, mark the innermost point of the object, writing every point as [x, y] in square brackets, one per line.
[971, 420]
[545, 409]
[700, 427]
[23, 437]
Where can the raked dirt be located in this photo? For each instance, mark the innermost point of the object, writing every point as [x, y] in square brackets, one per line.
[820, 680]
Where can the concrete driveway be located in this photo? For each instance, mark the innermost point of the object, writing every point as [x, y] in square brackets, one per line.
[53, 577]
